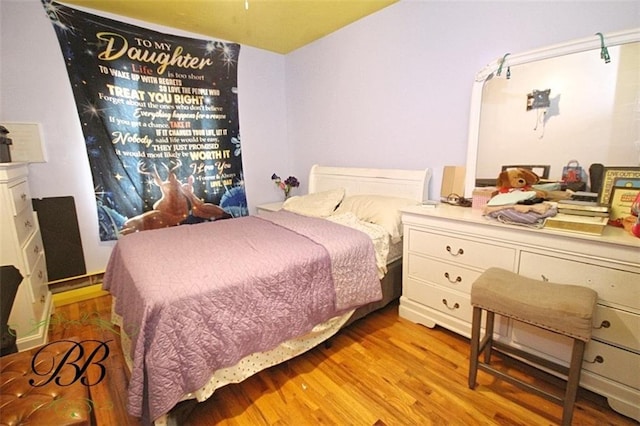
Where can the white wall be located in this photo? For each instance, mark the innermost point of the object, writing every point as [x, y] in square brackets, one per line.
[393, 89]
[34, 87]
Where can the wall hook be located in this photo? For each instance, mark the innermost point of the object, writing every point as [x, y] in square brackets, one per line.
[504, 58]
[604, 52]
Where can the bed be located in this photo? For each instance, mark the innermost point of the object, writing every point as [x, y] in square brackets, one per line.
[195, 315]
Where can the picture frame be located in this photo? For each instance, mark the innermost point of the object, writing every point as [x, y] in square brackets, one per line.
[28, 143]
[611, 175]
[621, 199]
[628, 182]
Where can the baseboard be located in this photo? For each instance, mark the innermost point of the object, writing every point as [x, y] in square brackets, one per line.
[73, 283]
[78, 295]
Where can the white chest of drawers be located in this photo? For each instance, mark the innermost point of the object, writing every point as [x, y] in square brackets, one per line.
[446, 248]
[21, 246]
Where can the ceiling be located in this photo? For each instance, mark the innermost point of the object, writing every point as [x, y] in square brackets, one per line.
[279, 26]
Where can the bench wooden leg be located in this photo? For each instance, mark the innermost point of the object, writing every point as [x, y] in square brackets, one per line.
[475, 346]
[488, 346]
[573, 381]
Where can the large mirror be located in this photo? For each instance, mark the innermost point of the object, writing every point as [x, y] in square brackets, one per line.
[554, 105]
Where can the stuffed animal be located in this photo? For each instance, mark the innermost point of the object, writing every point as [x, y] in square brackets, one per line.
[518, 179]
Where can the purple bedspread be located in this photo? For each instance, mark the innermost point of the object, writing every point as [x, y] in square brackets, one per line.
[197, 298]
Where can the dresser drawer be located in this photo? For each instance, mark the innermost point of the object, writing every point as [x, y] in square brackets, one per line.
[29, 316]
[452, 303]
[543, 342]
[20, 197]
[39, 286]
[465, 252]
[447, 275]
[38, 280]
[25, 224]
[614, 363]
[617, 327]
[32, 250]
[622, 330]
[613, 285]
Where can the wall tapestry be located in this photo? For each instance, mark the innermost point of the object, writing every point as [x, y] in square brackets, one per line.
[159, 115]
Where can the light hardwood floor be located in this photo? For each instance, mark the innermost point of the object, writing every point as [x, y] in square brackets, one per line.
[381, 370]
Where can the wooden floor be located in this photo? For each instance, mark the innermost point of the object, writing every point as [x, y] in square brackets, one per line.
[381, 370]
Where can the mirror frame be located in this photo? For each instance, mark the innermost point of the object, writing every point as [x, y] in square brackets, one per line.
[574, 46]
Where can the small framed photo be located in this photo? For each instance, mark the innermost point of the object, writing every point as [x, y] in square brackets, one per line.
[628, 182]
[622, 197]
[620, 176]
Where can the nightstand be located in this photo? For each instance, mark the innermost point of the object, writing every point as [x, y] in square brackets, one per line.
[269, 207]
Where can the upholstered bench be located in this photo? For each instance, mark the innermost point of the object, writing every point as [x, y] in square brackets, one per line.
[560, 308]
[62, 401]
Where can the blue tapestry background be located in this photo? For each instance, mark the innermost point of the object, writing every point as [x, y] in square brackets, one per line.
[159, 115]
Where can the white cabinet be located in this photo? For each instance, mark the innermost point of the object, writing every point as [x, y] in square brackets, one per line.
[269, 207]
[447, 248]
[21, 246]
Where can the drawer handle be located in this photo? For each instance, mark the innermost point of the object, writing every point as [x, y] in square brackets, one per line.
[455, 306]
[460, 251]
[36, 249]
[597, 360]
[23, 196]
[457, 280]
[603, 324]
[27, 224]
[40, 274]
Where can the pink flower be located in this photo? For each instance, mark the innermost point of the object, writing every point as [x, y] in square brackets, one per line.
[287, 184]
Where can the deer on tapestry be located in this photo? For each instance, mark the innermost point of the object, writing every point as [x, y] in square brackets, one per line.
[176, 204]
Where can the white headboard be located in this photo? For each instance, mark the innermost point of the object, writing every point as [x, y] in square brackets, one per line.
[412, 184]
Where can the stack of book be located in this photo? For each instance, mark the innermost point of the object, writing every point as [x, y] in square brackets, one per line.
[592, 225]
[581, 213]
[583, 208]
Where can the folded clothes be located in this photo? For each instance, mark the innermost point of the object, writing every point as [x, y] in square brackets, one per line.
[527, 215]
[549, 186]
[509, 198]
[539, 208]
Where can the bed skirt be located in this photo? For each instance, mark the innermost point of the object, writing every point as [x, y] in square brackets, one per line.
[391, 290]
[250, 364]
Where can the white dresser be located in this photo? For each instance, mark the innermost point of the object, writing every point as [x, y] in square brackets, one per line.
[446, 248]
[21, 246]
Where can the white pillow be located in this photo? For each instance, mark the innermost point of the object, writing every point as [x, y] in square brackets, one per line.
[379, 209]
[318, 204]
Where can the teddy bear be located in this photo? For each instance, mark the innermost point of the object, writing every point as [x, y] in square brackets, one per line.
[518, 179]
